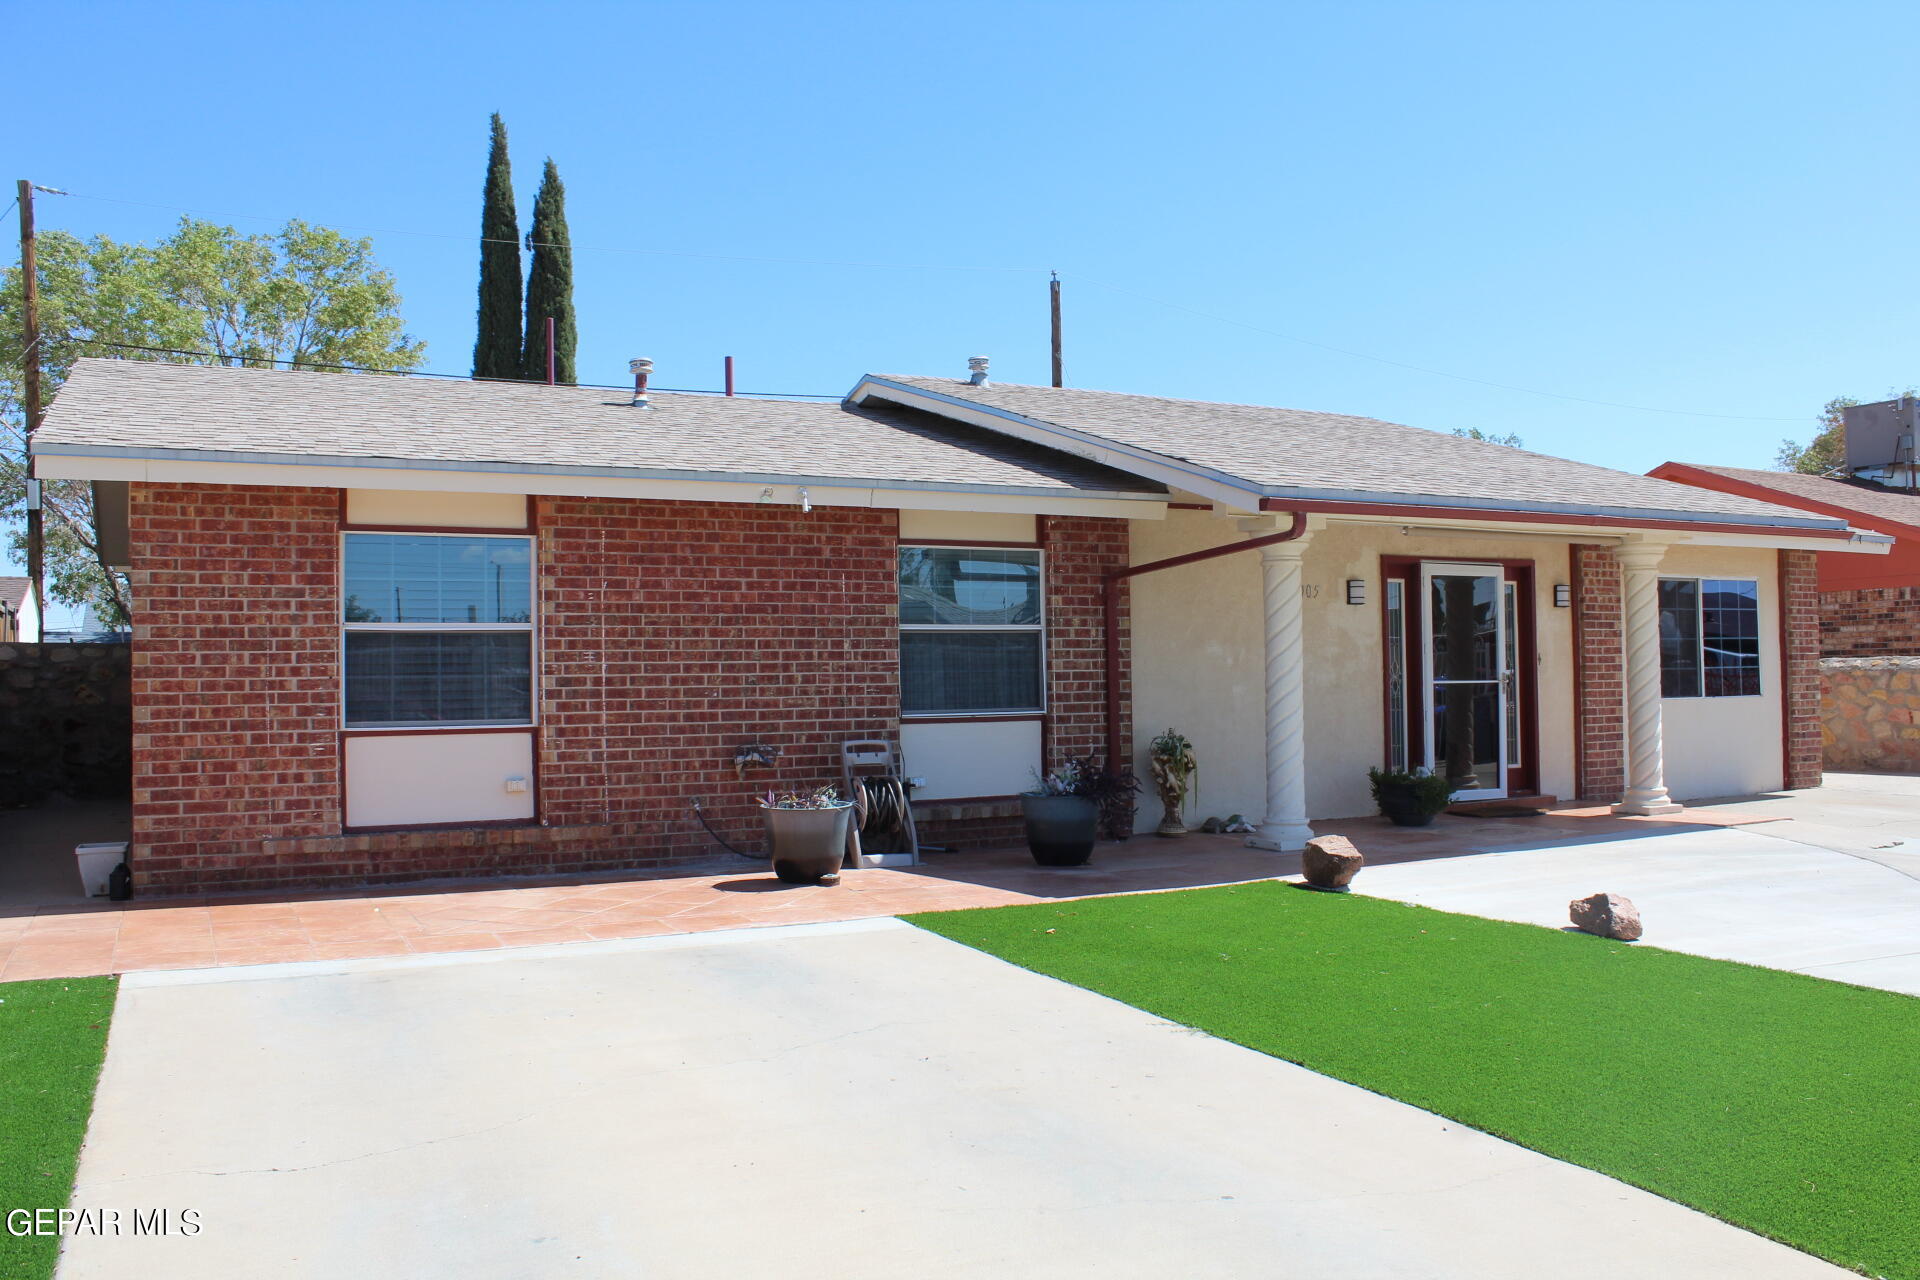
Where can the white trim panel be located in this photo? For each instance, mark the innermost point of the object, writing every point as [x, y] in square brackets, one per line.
[404, 780]
[967, 759]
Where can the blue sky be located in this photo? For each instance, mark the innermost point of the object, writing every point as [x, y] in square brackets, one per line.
[1699, 208]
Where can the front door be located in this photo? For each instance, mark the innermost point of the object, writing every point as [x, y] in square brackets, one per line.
[1468, 643]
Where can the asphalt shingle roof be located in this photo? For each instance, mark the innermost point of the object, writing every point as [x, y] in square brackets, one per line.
[1863, 496]
[13, 592]
[139, 407]
[1294, 452]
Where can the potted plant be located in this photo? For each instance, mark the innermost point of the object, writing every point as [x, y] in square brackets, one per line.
[1409, 799]
[1062, 819]
[1112, 792]
[1173, 771]
[806, 833]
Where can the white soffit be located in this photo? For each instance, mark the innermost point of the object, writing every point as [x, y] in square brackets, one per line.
[691, 487]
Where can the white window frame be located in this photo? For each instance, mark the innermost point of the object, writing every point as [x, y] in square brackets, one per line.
[530, 627]
[1700, 638]
[1040, 627]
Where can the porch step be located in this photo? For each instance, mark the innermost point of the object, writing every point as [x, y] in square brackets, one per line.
[1505, 807]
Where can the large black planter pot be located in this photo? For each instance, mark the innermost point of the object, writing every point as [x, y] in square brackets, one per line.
[1402, 809]
[807, 844]
[1060, 829]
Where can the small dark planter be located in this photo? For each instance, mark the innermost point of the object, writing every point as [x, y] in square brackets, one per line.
[808, 844]
[1403, 808]
[1060, 829]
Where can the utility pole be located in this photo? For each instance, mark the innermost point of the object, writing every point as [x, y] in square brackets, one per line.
[30, 359]
[1053, 297]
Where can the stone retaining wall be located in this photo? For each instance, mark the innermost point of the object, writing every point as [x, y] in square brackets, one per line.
[66, 722]
[1870, 713]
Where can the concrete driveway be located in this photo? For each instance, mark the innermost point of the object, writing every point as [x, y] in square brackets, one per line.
[843, 1100]
[1829, 885]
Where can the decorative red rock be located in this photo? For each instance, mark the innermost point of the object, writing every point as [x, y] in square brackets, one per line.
[1330, 862]
[1607, 914]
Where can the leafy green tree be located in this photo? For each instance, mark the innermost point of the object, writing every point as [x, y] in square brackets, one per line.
[1511, 440]
[496, 351]
[1827, 451]
[550, 285]
[301, 297]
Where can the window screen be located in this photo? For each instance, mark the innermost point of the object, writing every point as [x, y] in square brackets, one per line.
[438, 630]
[971, 623]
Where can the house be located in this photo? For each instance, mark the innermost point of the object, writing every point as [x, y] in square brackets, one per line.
[390, 628]
[1869, 606]
[19, 619]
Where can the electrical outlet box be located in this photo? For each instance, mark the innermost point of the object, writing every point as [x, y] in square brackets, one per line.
[516, 784]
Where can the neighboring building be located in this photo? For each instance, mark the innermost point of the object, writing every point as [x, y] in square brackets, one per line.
[1869, 606]
[19, 620]
[391, 628]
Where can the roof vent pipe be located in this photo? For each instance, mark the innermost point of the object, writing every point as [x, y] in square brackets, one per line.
[977, 370]
[641, 371]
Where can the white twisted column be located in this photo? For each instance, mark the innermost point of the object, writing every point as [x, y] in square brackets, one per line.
[1646, 753]
[1285, 826]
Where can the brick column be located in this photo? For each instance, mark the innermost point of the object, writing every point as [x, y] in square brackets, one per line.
[1080, 551]
[1800, 669]
[1599, 667]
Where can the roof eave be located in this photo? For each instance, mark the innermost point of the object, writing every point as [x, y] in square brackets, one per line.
[113, 462]
[1239, 493]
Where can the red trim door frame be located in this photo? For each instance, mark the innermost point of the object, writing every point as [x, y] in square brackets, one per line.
[1523, 775]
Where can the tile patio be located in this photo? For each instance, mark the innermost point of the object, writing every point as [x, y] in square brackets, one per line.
[82, 938]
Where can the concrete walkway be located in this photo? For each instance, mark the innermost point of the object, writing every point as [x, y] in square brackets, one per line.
[846, 1100]
[1829, 886]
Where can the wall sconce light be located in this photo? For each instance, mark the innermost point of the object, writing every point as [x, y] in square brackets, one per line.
[1356, 590]
[1562, 595]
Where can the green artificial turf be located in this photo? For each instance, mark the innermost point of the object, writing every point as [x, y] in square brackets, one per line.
[1786, 1104]
[53, 1035]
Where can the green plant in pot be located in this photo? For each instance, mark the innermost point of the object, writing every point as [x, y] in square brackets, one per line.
[1069, 808]
[1409, 799]
[1062, 820]
[806, 833]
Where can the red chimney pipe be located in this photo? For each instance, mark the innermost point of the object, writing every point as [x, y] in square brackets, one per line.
[729, 375]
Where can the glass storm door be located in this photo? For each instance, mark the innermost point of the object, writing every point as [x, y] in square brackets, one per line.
[1467, 689]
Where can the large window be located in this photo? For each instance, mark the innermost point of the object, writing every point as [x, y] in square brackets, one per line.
[971, 620]
[1709, 637]
[438, 630]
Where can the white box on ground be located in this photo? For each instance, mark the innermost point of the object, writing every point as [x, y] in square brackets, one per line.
[97, 862]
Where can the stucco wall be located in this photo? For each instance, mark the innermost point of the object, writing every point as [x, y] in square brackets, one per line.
[1199, 644]
[1728, 746]
[1198, 665]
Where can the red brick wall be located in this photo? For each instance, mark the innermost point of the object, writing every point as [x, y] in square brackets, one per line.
[674, 633]
[1599, 671]
[236, 676]
[671, 634]
[1080, 550]
[1874, 622]
[1800, 628]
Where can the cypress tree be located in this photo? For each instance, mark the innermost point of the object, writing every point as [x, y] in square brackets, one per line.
[550, 285]
[496, 352]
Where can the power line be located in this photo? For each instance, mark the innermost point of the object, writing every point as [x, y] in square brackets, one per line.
[457, 377]
[589, 248]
